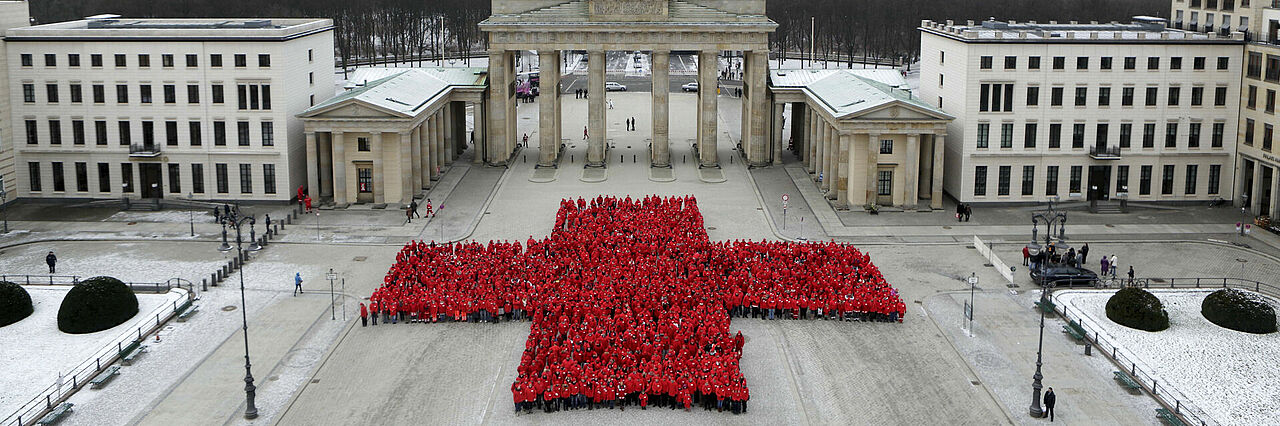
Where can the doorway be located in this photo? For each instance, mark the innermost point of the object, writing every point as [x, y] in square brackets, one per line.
[1099, 183]
[151, 185]
[364, 184]
[884, 186]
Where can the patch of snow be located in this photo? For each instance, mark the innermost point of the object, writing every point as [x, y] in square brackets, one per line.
[1230, 375]
[165, 216]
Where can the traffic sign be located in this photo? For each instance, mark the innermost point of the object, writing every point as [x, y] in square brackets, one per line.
[786, 198]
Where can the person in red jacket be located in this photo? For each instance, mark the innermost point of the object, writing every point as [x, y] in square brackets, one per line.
[364, 315]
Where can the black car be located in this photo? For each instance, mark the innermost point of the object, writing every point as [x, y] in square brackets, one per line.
[1064, 276]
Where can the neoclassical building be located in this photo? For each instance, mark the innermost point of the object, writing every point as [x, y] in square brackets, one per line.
[386, 139]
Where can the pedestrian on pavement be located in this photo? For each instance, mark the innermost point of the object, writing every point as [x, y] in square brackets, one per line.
[526, 140]
[413, 207]
[959, 212]
[1114, 266]
[1130, 274]
[308, 203]
[1084, 253]
[300, 193]
[968, 211]
[610, 102]
[584, 133]
[364, 315]
[217, 215]
[297, 283]
[1106, 262]
[408, 215]
[430, 213]
[51, 260]
[1026, 255]
[1050, 399]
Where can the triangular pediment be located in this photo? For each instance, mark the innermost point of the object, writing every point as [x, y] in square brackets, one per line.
[897, 110]
[353, 108]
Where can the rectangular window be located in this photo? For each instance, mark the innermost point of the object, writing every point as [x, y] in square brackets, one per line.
[1008, 97]
[217, 93]
[1215, 175]
[1051, 181]
[1189, 187]
[50, 60]
[1175, 93]
[1248, 131]
[220, 172]
[77, 132]
[1104, 96]
[266, 97]
[1218, 130]
[1033, 62]
[1153, 63]
[175, 178]
[1055, 135]
[269, 178]
[99, 94]
[1105, 63]
[170, 94]
[166, 60]
[269, 137]
[886, 145]
[122, 93]
[1002, 187]
[1254, 69]
[121, 61]
[126, 177]
[148, 133]
[1102, 135]
[1010, 62]
[1077, 135]
[1224, 62]
[246, 178]
[126, 137]
[33, 172]
[145, 93]
[77, 95]
[51, 92]
[1152, 93]
[59, 180]
[984, 92]
[197, 178]
[1126, 96]
[241, 60]
[1271, 101]
[984, 132]
[33, 132]
[1197, 63]
[1029, 136]
[264, 60]
[1055, 96]
[980, 181]
[1077, 173]
[171, 133]
[193, 93]
[215, 60]
[1122, 179]
[219, 133]
[984, 62]
[193, 132]
[1006, 135]
[144, 60]
[1082, 63]
[1197, 96]
[1219, 96]
[28, 92]
[1193, 135]
[193, 60]
[1166, 180]
[362, 144]
[1144, 181]
[1171, 135]
[242, 133]
[1130, 62]
[1028, 180]
[884, 182]
[100, 132]
[1266, 136]
[1251, 97]
[55, 132]
[26, 60]
[1059, 62]
[82, 177]
[1082, 96]
[95, 60]
[1033, 95]
[1175, 63]
[104, 177]
[242, 96]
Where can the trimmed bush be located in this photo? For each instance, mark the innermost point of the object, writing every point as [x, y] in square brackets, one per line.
[1137, 308]
[96, 304]
[1239, 311]
[15, 303]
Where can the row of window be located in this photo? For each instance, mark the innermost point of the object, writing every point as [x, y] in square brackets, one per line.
[240, 60]
[1076, 180]
[249, 96]
[1250, 127]
[998, 97]
[1083, 63]
[125, 132]
[174, 178]
[1102, 135]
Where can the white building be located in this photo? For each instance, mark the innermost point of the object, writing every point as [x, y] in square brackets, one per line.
[1084, 111]
[107, 107]
[12, 14]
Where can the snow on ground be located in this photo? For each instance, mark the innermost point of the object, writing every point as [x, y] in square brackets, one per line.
[37, 338]
[165, 216]
[1230, 375]
[129, 262]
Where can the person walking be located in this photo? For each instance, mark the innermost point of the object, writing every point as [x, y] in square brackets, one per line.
[959, 212]
[1084, 253]
[1050, 399]
[217, 215]
[584, 133]
[1114, 266]
[52, 260]
[610, 101]
[413, 207]
[408, 215]
[968, 212]
[364, 315]
[1106, 262]
[297, 283]
[1026, 255]
[1130, 274]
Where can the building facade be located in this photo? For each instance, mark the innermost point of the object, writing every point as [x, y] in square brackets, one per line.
[110, 107]
[1257, 165]
[13, 14]
[1084, 111]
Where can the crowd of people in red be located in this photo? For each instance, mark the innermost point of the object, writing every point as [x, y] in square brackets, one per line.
[630, 302]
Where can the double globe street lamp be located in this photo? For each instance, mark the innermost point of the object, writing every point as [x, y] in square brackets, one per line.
[1053, 220]
[234, 219]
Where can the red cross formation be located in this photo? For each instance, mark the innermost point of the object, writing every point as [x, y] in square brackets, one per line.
[630, 297]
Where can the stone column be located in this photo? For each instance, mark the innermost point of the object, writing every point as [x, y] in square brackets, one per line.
[708, 74]
[437, 138]
[415, 147]
[1275, 191]
[776, 132]
[756, 134]
[939, 140]
[313, 168]
[843, 172]
[500, 104]
[479, 125]
[596, 114]
[432, 150]
[873, 161]
[820, 147]
[1255, 199]
[825, 156]
[450, 151]
[926, 167]
[406, 168]
[379, 175]
[832, 153]
[856, 193]
[811, 143]
[912, 170]
[548, 112]
[324, 151]
[339, 169]
[660, 152]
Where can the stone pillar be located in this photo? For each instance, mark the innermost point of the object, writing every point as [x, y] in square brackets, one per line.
[660, 151]
[437, 138]
[811, 143]
[926, 168]
[873, 162]
[842, 172]
[857, 193]
[415, 148]
[825, 156]
[832, 153]
[313, 168]
[939, 142]
[324, 151]
[596, 114]
[339, 169]
[481, 129]
[912, 170]
[755, 96]
[379, 175]
[499, 106]
[1255, 199]
[708, 78]
[548, 107]
[450, 151]
[432, 150]
[820, 144]
[776, 132]
[406, 167]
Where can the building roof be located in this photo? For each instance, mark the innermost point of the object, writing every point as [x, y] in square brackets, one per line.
[403, 91]
[578, 12]
[114, 27]
[1141, 30]
[848, 93]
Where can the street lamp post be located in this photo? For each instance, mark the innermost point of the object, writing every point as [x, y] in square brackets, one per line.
[4, 199]
[331, 276]
[235, 220]
[1053, 220]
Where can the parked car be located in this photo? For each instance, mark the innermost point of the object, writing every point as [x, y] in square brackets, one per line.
[1064, 276]
[613, 86]
[690, 87]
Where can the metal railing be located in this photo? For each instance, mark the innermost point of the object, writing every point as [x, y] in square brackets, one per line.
[144, 150]
[71, 280]
[1105, 152]
[80, 375]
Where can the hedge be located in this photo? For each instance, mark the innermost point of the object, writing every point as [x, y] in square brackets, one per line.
[1240, 311]
[1137, 308]
[15, 303]
[96, 304]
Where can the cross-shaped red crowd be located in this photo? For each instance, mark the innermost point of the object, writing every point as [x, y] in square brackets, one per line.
[630, 302]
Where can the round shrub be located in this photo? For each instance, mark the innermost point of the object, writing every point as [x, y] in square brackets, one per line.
[15, 303]
[1137, 308]
[96, 304]
[1239, 311]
